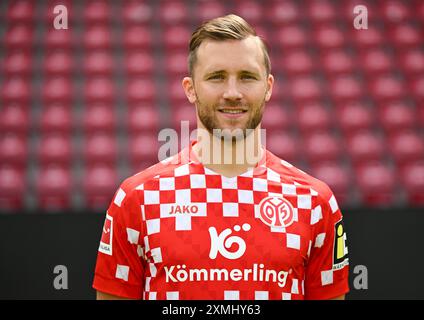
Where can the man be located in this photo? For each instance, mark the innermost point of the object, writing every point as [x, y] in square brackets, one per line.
[224, 218]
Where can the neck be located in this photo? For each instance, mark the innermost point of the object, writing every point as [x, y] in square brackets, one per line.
[225, 156]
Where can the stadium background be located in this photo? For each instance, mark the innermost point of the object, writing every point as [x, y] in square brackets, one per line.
[81, 108]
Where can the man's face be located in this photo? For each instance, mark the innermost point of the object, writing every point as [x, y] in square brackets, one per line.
[230, 85]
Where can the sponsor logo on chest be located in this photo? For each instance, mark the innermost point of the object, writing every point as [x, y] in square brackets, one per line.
[189, 209]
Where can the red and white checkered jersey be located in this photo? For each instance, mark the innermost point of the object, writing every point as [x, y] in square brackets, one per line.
[179, 230]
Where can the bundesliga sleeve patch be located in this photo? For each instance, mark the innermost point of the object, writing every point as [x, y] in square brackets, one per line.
[106, 240]
[340, 258]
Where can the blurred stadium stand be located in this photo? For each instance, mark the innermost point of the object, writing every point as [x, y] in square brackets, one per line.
[80, 109]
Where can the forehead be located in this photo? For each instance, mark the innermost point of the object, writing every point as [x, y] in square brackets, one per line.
[230, 55]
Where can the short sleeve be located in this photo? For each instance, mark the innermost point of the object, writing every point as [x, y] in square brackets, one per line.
[327, 270]
[119, 267]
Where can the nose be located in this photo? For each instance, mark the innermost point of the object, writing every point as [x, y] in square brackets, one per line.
[232, 91]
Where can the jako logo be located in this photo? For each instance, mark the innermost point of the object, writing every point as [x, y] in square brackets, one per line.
[220, 243]
[184, 209]
[276, 212]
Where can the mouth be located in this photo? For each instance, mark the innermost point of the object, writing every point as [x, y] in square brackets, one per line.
[232, 111]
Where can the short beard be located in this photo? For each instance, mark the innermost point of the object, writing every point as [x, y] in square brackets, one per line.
[209, 121]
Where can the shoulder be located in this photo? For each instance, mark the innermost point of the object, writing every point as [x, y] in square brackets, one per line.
[293, 175]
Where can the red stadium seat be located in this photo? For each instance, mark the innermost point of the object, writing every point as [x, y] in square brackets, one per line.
[365, 146]
[99, 118]
[416, 87]
[207, 10]
[97, 37]
[421, 115]
[14, 150]
[54, 188]
[337, 177]
[98, 63]
[97, 11]
[284, 145]
[322, 147]
[184, 112]
[59, 63]
[139, 63]
[17, 64]
[20, 12]
[15, 90]
[137, 12]
[345, 88]
[100, 90]
[377, 183]
[250, 10]
[405, 35]
[396, 116]
[143, 148]
[176, 92]
[338, 61]
[55, 149]
[283, 12]
[19, 37]
[355, 116]
[12, 188]
[305, 88]
[321, 11]
[173, 12]
[60, 39]
[412, 177]
[99, 185]
[100, 149]
[14, 119]
[140, 90]
[419, 10]
[376, 61]
[296, 62]
[406, 146]
[142, 119]
[176, 37]
[137, 38]
[276, 117]
[56, 118]
[412, 61]
[387, 87]
[291, 36]
[279, 91]
[313, 117]
[329, 36]
[57, 90]
[367, 38]
[176, 64]
[395, 11]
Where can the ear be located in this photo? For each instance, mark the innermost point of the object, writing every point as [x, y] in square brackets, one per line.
[270, 83]
[188, 86]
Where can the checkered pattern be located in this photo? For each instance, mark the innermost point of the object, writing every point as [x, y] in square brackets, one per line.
[163, 239]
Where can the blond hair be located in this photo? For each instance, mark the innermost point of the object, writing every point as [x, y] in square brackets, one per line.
[224, 28]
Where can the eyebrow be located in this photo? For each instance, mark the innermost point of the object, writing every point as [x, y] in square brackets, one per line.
[243, 72]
